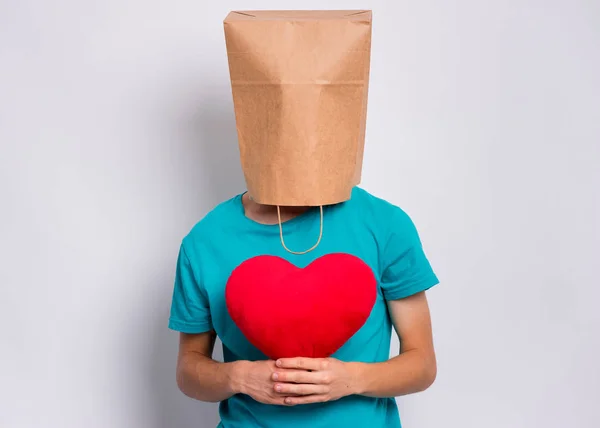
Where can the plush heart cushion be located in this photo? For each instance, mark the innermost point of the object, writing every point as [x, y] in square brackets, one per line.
[286, 311]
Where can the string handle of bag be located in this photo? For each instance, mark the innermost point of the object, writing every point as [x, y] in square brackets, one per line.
[283, 241]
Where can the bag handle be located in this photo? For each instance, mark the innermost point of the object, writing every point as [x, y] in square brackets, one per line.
[283, 241]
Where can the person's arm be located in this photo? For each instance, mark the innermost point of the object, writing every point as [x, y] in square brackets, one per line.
[412, 371]
[198, 375]
[415, 369]
[202, 378]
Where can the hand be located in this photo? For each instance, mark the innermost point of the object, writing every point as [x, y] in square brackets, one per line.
[255, 378]
[314, 380]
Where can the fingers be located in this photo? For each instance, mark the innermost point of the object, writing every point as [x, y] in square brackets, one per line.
[276, 401]
[300, 389]
[302, 363]
[307, 399]
[301, 377]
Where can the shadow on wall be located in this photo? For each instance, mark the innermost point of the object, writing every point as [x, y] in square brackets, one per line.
[208, 156]
[214, 134]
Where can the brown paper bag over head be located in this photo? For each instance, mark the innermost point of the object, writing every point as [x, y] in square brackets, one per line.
[299, 81]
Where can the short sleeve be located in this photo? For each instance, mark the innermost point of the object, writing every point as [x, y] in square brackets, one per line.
[190, 311]
[406, 269]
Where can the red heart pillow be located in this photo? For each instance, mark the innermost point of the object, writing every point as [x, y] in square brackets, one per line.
[286, 311]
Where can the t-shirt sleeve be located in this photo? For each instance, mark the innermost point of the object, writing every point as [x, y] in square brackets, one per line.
[190, 311]
[406, 269]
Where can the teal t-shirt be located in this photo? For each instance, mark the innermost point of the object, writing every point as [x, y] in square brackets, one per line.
[379, 233]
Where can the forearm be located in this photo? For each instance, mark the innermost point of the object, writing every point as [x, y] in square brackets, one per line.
[205, 379]
[407, 373]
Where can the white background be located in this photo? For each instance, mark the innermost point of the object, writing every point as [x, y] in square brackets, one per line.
[117, 134]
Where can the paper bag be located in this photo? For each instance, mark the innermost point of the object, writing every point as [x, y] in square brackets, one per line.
[300, 81]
